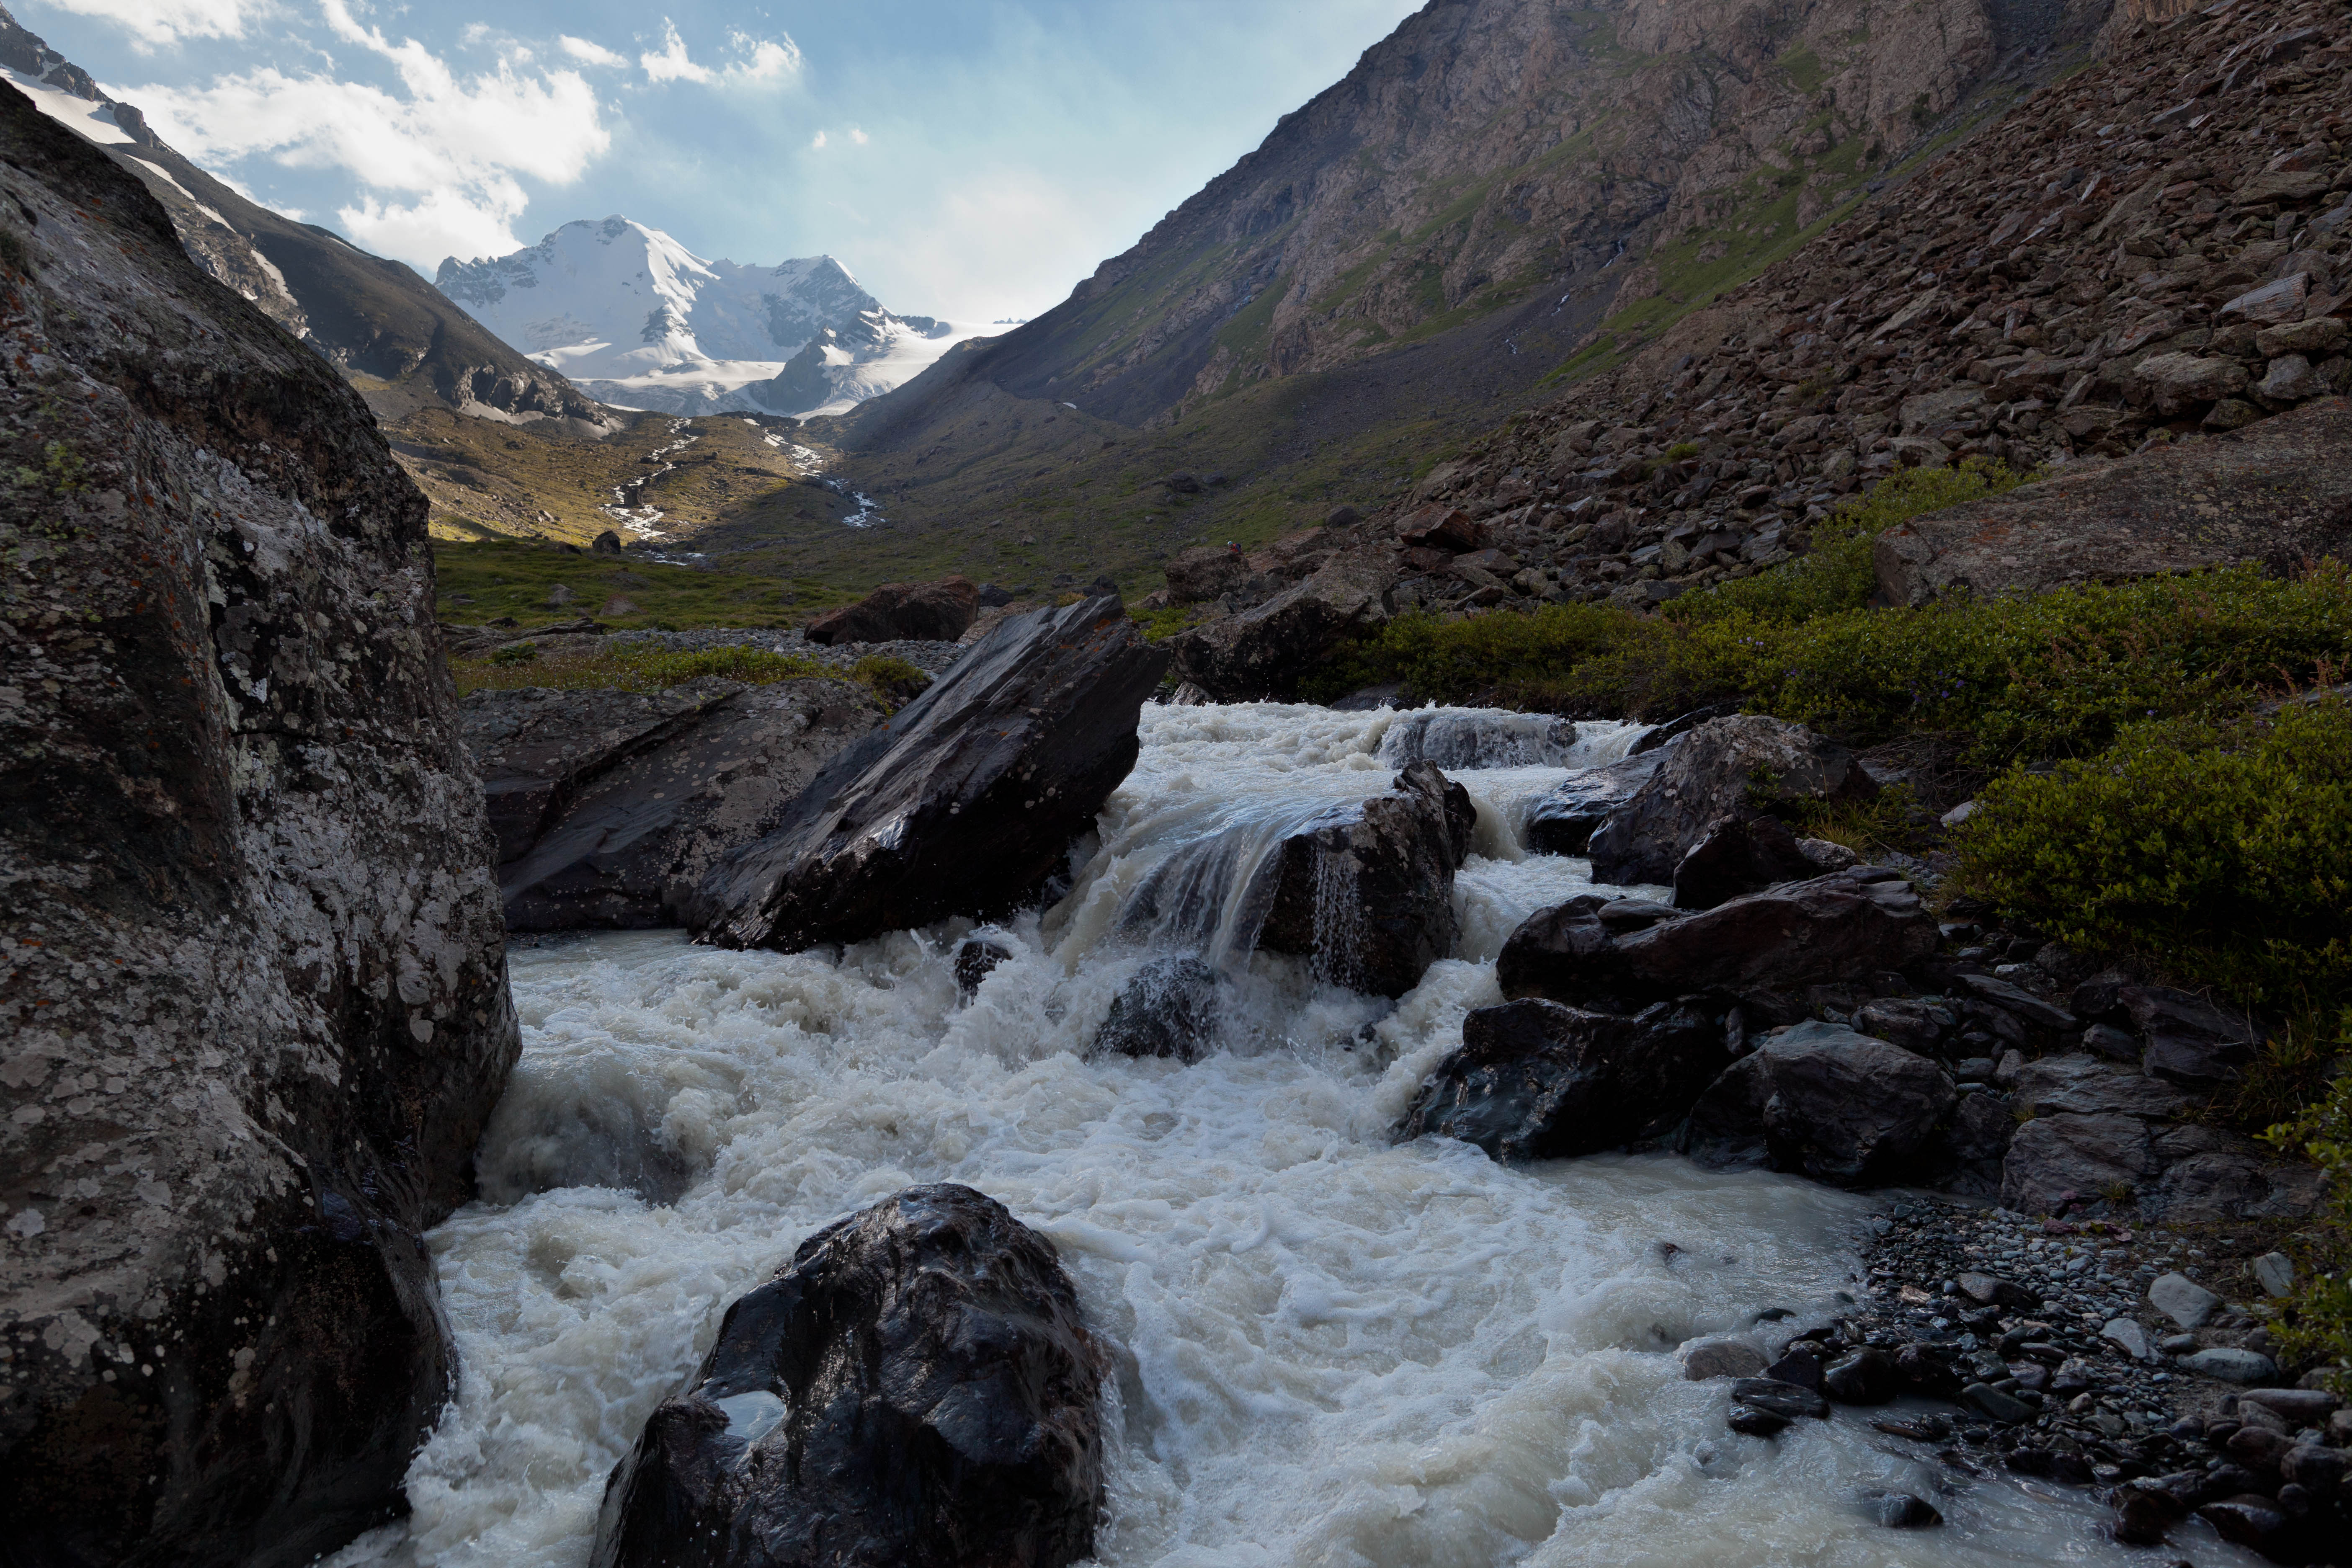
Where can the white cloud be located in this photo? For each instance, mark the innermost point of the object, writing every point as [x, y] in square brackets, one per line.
[152, 22]
[589, 54]
[455, 149]
[756, 59]
[672, 64]
[858, 136]
[817, 140]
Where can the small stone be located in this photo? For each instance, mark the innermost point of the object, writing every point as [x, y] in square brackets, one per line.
[2178, 1345]
[2275, 1273]
[2182, 1300]
[1756, 1422]
[1992, 1402]
[2291, 379]
[1958, 814]
[1901, 1510]
[2131, 1336]
[2293, 1406]
[2232, 1366]
[1866, 1377]
[1800, 1367]
[1780, 1398]
[1720, 1355]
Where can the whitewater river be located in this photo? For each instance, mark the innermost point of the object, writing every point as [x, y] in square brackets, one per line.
[1330, 1349]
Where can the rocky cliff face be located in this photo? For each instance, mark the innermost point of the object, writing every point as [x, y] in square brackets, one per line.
[253, 974]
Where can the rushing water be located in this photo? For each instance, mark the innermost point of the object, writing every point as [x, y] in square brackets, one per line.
[1330, 1349]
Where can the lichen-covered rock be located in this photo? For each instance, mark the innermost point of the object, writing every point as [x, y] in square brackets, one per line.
[611, 806]
[915, 1388]
[253, 977]
[962, 804]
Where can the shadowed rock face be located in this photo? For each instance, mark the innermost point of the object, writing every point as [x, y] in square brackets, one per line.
[256, 995]
[960, 805]
[916, 1388]
[1727, 767]
[2273, 493]
[1821, 1099]
[924, 612]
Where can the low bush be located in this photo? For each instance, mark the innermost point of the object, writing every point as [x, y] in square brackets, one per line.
[640, 669]
[2317, 1323]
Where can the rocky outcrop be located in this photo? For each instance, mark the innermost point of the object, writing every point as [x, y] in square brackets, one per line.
[2288, 482]
[917, 1387]
[1366, 893]
[1171, 1008]
[1729, 767]
[611, 806]
[962, 804]
[1588, 953]
[1825, 1101]
[1737, 856]
[1263, 651]
[902, 612]
[1535, 1080]
[253, 979]
[1562, 823]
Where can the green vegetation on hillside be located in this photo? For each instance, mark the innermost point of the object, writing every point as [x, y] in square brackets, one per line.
[515, 578]
[651, 668]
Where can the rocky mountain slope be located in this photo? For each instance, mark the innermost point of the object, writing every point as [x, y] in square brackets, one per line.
[380, 323]
[1415, 251]
[636, 319]
[253, 998]
[2154, 252]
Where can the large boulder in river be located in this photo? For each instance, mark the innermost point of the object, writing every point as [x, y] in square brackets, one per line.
[255, 982]
[1172, 1006]
[1535, 1080]
[1727, 767]
[611, 806]
[1367, 892]
[902, 612]
[1263, 651]
[916, 1389]
[962, 804]
[1820, 1100]
[1737, 855]
[1588, 952]
[1563, 822]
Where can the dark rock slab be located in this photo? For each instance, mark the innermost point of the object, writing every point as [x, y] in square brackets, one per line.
[1726, 767]
[1367, 892]
[1535, 1080]
[257, 1012]
[916, 1387]
[2081, 1085]
[1822, 1100]
[1786, 1399]
[2060, 1159]
[1171, 1008]
[1263, 651]
[962, 804]
[902, 612]
[1866, 1377]
[611, 806]
[1861, 921]
[1563, 822]
[2211, 1175]
[2191, 1041]
[1737, 857]
[2288, 481]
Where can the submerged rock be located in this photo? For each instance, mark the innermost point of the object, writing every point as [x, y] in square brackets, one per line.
[962, 804]
[902, 612]
[1726, 767]
[258, 1012]
[1367, 893]
[1169, 1008]
[1825, 1102]
[916, 1387]
[1535, 1080]
[611, 806]
[1478, 740]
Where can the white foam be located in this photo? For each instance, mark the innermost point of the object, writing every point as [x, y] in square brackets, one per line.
[1329, 1349]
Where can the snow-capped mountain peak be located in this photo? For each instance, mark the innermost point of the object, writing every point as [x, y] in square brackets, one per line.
[637, 319]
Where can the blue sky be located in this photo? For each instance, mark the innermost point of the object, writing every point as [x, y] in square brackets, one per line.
[965, 158]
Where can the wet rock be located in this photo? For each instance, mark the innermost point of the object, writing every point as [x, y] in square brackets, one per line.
[1830, 928]
[2057, 1160]
[1925, 1373]
[612, 806]
[1563, 822]
[1169, 1008]
[2191, 1041]
[1714, 772]
[975, 956]
[1263, 651]
[1366, 892]
[1866, 1377]
[2145, 1515]
[1720, 1355]
[1753, 1421]
[1900, 1510]
[2252, 1520]
[961, 804]
[1821, 1099]
[1478, 740]
[2232, 1366]
[2289, 481]
[2182, 1300]
[258, 1014]
[2001, 1407]
[1736, 856]
[1786, 1400]
[916, 1387]
[902, 612]
[1799, 1366]
[1536, 1081]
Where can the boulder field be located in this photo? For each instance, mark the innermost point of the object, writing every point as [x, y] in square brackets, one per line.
[253, 973]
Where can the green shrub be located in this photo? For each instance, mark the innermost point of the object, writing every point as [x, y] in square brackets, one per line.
[2221, 851]
[1454, 661]
[2317, 1322]
[515, 653]
[894, 680]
